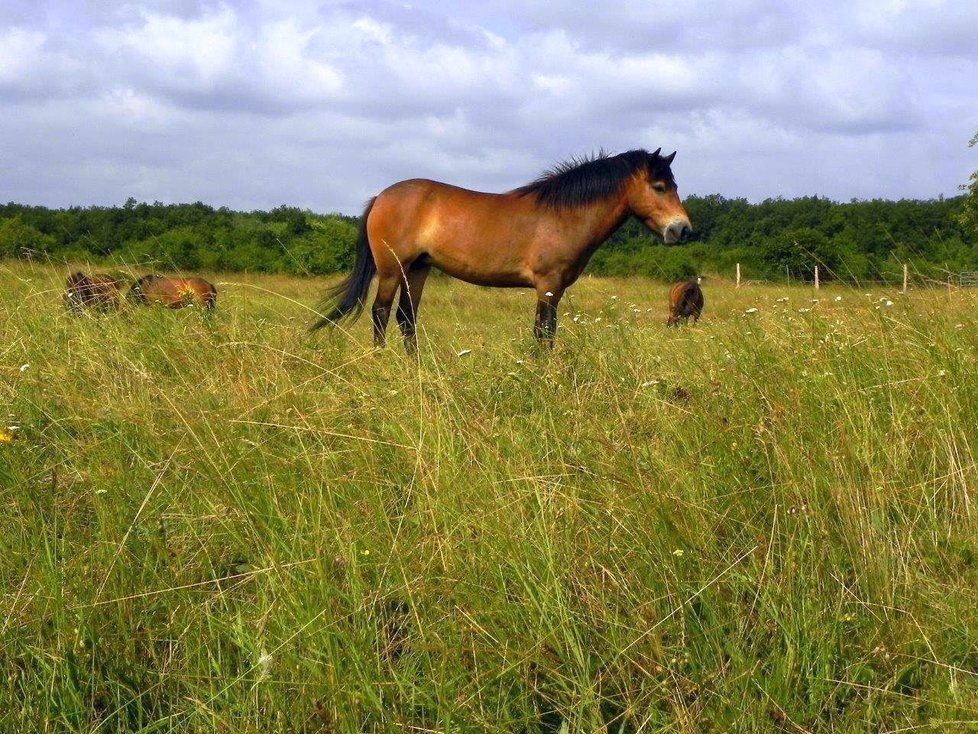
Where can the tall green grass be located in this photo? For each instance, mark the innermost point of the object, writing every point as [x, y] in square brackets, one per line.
[217, 523]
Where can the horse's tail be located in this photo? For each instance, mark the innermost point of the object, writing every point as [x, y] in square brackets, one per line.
[347, 299]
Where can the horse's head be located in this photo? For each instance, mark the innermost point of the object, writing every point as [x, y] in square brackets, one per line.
[654, 198]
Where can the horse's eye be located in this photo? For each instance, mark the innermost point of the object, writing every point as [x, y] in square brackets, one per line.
[659, 188]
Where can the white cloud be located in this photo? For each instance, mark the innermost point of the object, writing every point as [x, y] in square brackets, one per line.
[20, 51]
[851, 90]
[187, 54]
[261, 103]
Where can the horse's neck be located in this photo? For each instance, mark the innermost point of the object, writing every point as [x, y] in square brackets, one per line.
[590, 225]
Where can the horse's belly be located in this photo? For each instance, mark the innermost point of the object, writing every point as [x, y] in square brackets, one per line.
[481, 266]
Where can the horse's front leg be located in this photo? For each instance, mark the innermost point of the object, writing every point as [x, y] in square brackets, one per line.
[545, 326]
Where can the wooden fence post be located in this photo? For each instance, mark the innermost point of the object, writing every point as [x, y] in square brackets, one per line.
[738, 275]
[816, 277]
[904, 278]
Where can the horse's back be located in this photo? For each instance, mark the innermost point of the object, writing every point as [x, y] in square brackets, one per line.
[414, 200]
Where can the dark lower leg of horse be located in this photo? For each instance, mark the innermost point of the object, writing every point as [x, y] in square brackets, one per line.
[407, 321]
[381, 314]
[545, 327]
[386, 291]
[409, 302]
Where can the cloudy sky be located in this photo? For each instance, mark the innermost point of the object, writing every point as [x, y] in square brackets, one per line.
[256, 103]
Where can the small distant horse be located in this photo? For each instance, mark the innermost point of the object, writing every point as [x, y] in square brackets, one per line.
[99, 291]
[685, 300]
[538, 236]
[174, 292]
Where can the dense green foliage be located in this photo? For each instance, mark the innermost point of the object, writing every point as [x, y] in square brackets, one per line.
[780, 239]
[214, 523]
[776, 239]
[182, 236]
[968, 217]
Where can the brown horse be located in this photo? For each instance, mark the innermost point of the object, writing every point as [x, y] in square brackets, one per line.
[174, 292]
[685, 300]
[99, 291]
[538, 236]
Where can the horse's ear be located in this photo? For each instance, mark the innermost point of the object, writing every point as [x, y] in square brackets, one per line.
[668, 158]
[655, 154]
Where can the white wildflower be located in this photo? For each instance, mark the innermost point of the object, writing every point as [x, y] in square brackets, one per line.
[24, 367]
[264, 665]
[464, 352]
[838, 298]
[750, 310]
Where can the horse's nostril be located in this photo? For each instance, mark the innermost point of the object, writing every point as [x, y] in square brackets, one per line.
[685, 234]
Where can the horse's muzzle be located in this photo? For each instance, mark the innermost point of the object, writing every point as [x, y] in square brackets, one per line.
[677, 232]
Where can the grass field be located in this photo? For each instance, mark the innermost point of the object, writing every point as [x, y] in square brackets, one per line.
[763, 523]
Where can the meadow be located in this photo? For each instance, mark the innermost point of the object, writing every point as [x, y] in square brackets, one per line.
[761, 523]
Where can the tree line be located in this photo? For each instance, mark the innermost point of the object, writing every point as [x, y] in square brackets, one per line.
[781, 239]
[774, 239]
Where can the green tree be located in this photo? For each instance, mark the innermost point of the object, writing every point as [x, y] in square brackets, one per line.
[969, 214]
[800, 250]
[18, 239]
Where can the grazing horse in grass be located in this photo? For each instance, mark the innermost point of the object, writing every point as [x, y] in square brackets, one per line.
[174, 292]
[538, 236]
[99, 291]
[685, 300]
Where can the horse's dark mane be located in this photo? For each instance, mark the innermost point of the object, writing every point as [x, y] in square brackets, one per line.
[583, 180]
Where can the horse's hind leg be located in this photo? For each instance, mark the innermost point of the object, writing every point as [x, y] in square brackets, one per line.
[409, 302]
[386, 290]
